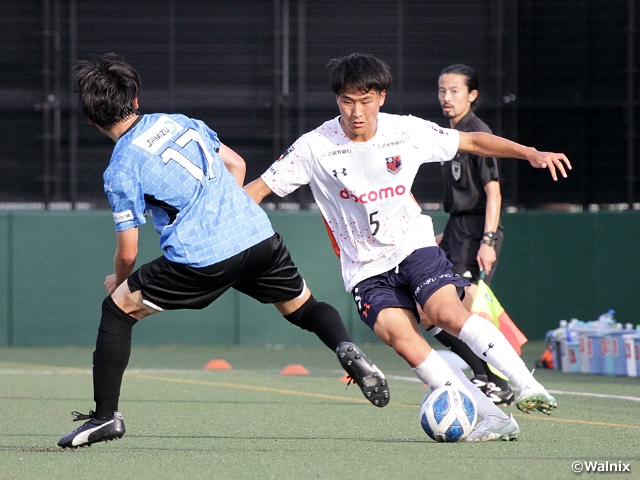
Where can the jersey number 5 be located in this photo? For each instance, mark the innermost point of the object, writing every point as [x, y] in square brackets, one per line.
[374, 222]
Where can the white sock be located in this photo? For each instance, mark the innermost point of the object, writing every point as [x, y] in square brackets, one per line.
[486, 341]
[435, 373]
[484, 405]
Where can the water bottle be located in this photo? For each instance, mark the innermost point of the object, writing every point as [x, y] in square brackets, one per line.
[606, 321]
[573, 330]
[559, 344]
[566, 343]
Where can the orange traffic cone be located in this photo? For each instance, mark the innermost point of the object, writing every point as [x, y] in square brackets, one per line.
[294, 369]
[217, 364]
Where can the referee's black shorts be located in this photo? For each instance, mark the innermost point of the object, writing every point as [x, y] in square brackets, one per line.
[461, 242]
[264, 272]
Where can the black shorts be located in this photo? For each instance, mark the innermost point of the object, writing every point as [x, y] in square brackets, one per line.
[264, 272]
[413, 281]
[461, 242]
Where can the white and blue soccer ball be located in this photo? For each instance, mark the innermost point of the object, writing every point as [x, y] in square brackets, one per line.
[447, 414]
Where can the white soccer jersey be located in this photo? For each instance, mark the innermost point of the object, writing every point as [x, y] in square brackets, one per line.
[363, 189]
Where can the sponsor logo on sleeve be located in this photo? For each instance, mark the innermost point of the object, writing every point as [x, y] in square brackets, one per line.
[287, 153]
[438, 129]
[123, 216]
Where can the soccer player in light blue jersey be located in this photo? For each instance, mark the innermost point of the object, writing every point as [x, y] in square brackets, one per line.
[214, 237]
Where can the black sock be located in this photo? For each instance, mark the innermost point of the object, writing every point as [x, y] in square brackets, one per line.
[496, 380]
[110, 359]
[321, 319]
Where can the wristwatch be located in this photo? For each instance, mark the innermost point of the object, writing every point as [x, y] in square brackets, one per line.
[489, 238]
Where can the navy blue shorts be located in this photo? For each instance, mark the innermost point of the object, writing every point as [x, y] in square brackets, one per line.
[413, 281]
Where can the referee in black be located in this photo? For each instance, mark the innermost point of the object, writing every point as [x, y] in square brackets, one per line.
[473, 235]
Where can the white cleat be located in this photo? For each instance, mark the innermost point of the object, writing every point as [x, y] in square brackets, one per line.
[494, 428]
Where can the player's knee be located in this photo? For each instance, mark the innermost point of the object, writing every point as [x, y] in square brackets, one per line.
[450, 318]
[114, 320]
[311, 312]
[408, 347]
[298, 317]
[398, 335]
[423, 319]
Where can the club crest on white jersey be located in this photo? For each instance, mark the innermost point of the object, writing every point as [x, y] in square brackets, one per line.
[394, 164]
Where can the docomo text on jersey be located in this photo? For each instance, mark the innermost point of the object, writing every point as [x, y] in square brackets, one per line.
[372, 196]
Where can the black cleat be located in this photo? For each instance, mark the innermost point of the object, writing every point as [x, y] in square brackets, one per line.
[362, 371]
[93, 431]
[500, 396]
[480, 381]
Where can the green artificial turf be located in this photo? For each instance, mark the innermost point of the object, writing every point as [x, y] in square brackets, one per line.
[184, 422]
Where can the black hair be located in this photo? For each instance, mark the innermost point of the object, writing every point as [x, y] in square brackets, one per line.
[106, 88]
[471, 78]
[361, 72]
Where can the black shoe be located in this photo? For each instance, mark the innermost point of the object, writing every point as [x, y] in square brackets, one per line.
[500, 396]
[481, 381]
[93, 431]
[362, 371]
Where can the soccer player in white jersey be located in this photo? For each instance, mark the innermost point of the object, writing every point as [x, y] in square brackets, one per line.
[361, 166]
[213, 235]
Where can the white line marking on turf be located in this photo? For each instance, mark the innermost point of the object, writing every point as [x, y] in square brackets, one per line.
[555, 392]
[44, 372]
[601, 395]
[161, 371]
[67, 371]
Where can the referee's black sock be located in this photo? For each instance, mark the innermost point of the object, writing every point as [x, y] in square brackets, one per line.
[496, 380]
[110, 359]
[321, 319]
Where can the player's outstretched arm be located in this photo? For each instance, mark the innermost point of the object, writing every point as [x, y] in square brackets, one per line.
[257, 190]
[234, 163]
[487, 145]
[552, 161]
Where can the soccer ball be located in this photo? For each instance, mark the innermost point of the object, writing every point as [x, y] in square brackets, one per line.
[447, 414]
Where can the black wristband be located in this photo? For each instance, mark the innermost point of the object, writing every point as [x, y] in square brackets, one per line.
[489, 241]
[492, 235]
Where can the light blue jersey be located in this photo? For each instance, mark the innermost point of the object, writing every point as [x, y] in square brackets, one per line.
[168, 165]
